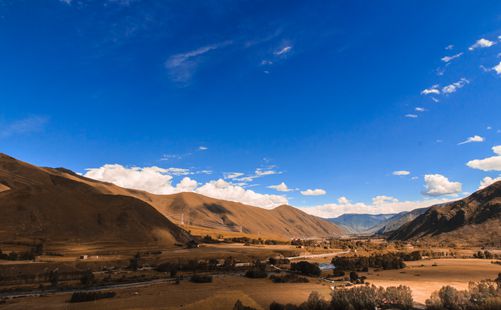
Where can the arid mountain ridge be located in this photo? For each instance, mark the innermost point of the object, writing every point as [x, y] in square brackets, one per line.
[475, 219]
[55, 204]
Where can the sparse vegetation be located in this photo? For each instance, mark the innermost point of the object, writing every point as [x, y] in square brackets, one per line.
[201, 279]
[361, 263]
[288, 278]
[357, 298]
[90, 296]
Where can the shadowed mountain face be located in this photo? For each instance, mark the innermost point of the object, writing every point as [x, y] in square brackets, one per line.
[213, 215]
[360, 223]
[475, 219]
[396, 221]
[54, 205]
[59, 205]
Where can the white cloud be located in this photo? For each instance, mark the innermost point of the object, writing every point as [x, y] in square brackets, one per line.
[343, 200]
[151, 179]
[232, 175]
[284, 50]
[497, 68]
[258, 173]
[182, 66]
[384, 206]
[401, 172]
[449, 47]
[382, 199]
[449, 58]
[282, 187]
[481, 43]
[488, 164]
[411, 115]
[156, 180]
[177, 171]
[439, 185]
[23, 126]
[313, 192]
[186, 185]
[202, 148]
[435, 99]
[451, 88]
[475, 138]
[221, 189]
[488, 181]
[432, 90]
[266, 62]
[419, 109]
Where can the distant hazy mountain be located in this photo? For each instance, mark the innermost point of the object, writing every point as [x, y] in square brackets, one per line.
[396, 221]
[360, 223]
[475, 219]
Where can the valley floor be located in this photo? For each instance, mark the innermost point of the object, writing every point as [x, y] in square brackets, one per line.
[423, 277]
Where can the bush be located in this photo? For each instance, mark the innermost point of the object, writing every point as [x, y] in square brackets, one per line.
[371, 297]
[90, 296]
[289, 278]
[256, 274]
[360, 263]
[240, 306]
[87, 278]
[201, 279]
[479, 296]
[338, 273]
[314, 302]
[306, 268]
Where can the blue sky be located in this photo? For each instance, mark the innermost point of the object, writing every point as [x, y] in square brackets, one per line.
[331, 96]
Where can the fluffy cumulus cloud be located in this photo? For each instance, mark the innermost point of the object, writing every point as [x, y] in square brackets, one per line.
[313, 192]
[488, 181]
[380, 205]
[481, 43]
[343, 200]
[282, 187]
[472, 139]
[155, 180]
[439, 185]
[401, 172]
[492, 163]
[158, 180]
[452, 88]
[220, 189]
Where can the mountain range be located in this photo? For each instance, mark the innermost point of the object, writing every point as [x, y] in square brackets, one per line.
[475, 219]
[58, 205]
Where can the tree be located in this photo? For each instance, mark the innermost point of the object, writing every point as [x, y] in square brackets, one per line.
[134, 262]
[87, 278]
[54, 277]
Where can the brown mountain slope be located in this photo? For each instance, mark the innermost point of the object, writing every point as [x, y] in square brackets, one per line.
[220, 216]
[475, 220]
[205, 215]
[53, 205]
[61, 205]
